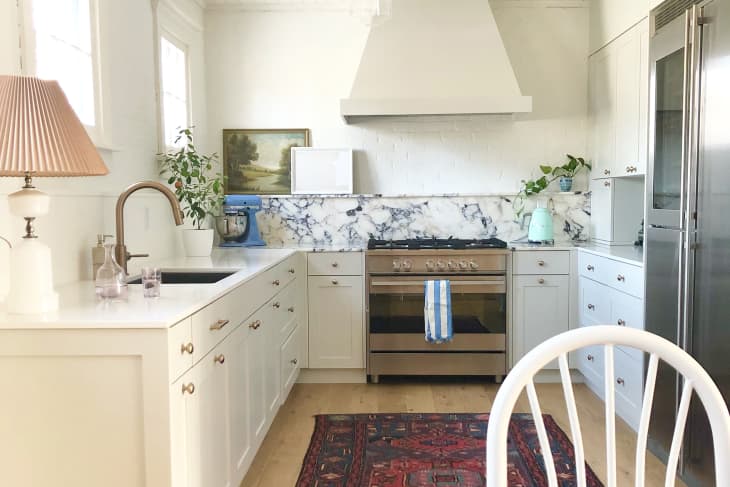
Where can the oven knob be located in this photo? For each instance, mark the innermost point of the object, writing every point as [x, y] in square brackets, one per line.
[463, 265]
[430, 265]
[406, 265]
[441, 265]
[473, 265]
[396, 265]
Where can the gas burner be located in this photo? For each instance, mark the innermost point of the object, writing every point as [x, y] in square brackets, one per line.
[436, 244]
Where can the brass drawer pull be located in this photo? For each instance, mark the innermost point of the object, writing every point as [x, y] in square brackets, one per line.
[294, 361]
[621, 322]
[590, 357]
[188, 388]
[591, 307]
[277, 305]
[620, 381]
[590, 268]
[218, 325]
[621, 278]
[255, 325]
[291, 271]
[290, 309]
[276, 282]
[335, 264]
[219, 359]
[335, 282]
[541, 263]
[541, 281]
[187, 347]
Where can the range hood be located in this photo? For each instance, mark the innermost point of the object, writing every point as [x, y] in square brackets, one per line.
[435, 57]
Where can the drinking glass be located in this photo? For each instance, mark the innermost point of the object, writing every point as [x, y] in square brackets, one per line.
[151, 280]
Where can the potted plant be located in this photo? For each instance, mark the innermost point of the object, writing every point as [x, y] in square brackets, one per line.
[565, 173]
[199, 191]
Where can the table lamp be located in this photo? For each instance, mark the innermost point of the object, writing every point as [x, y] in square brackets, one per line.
[40, 135]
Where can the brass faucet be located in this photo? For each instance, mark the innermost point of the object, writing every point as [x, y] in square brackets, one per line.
[121, 250]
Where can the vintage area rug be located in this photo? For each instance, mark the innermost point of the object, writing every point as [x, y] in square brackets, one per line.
[428, 450]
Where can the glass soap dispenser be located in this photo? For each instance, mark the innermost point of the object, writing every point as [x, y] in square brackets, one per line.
[111, 280]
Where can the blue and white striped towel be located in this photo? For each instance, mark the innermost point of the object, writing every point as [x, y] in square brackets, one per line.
[437, 311]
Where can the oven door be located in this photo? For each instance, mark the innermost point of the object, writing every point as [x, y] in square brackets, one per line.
[478, 308]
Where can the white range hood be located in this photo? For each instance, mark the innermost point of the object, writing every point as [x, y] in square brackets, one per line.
[435, 57]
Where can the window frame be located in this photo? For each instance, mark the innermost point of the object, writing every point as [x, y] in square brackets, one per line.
[169, 36]
[99, 132]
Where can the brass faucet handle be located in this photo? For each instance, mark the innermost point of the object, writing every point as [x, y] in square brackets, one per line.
[132, 256]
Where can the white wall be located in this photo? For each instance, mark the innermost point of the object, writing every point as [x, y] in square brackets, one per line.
[611, 18]
[269, 69]
[84, 207]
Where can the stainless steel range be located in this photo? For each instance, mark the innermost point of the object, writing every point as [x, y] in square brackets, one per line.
[479, 271]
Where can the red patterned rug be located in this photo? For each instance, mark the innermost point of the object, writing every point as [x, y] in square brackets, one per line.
[428, 450]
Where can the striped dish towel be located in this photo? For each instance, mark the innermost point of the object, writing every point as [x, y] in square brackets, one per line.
[437, 311]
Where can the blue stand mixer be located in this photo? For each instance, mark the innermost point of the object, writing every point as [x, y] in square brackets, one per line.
[237, 226]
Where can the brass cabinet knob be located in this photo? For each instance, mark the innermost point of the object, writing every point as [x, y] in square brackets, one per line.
[621, 322]
[541, 263]
[590, 268]
[276, 282]
[277, 305]
[620, 381]
[590, 357]
[188, 388]
[621, 278]
[294, 361]
[187, 347]
[541, 281]
[607, 183]
[255, 325]
[219, 359]
[335, 264]
[218, 325]
[591, 307]
[607, 172]
[291, 271]
[335, 282]
[290, 309]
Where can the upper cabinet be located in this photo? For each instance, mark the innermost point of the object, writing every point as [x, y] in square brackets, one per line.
[611, 18]
[618, 104]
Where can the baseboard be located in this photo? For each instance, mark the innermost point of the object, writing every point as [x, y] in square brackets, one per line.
[332, 376]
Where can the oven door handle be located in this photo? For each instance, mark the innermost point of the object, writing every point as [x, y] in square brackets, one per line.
[453, 283]
[495, 285]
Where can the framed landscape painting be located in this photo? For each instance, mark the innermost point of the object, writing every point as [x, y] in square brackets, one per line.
[258, 161]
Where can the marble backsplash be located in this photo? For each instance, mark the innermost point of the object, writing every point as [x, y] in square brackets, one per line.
[351, 220]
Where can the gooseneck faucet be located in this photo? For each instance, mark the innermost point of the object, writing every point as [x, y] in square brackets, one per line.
[122, 255]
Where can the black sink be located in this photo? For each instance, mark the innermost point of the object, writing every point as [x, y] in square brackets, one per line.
[186, 277]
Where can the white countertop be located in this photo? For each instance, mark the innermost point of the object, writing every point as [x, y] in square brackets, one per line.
[80, 308]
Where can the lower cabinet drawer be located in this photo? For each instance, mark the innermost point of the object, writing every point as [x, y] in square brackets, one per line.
[283, 307]
[594, 302]
[212, 324]
[541, 262]
[180, 349]
[628, 311]
[335, 263]
[290, 361]
[629, 386]
[591, 364]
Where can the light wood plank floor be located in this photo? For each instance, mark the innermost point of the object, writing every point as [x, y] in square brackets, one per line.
[279, 459]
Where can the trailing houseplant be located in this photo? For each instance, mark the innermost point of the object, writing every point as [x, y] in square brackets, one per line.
[199, 189]
[565, 173]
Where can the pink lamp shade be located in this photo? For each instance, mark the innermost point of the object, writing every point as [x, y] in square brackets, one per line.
[40, 134]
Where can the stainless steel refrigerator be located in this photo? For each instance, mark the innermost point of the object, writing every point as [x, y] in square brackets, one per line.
[687, 240]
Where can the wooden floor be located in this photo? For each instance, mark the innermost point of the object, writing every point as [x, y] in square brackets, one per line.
[280, 457]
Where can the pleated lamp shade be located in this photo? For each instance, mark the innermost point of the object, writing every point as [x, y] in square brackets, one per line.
[40, 134]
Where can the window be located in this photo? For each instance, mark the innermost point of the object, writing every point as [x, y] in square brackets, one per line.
[174, 80]
[62, 44]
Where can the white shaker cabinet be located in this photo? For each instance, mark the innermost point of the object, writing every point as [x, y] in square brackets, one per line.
[541, 299]
[616, 209]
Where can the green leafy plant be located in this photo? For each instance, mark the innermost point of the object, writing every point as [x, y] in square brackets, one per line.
[199, 190]
[532, 187]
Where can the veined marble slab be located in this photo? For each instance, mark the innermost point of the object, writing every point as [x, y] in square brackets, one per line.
[350, 221]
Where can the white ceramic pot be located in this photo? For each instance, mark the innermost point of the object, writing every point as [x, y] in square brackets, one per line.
[198, 243]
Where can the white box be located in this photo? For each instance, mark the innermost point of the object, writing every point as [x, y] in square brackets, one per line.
[321, 171]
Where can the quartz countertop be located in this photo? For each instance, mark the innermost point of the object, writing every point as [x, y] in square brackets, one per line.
[629, 254]
[79, 307]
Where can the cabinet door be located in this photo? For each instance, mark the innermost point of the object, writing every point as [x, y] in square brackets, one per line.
[201, 414]
[235, 352]
[602, 108]
[255, 365]
[541, 311]
[272, 324]
[628, 96]
[602, 209]
[336, 322]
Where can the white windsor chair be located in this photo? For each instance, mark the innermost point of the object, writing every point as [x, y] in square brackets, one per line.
[521, 377]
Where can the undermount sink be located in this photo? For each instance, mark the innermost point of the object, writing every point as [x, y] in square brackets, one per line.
[187, 277]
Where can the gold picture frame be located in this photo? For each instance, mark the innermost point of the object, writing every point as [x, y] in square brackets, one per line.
[258, 161]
